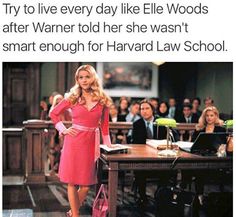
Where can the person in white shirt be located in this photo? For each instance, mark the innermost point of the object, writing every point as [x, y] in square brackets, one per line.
[172, 107]
[132, 116]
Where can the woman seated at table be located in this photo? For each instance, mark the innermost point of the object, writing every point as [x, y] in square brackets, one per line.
[209, 122]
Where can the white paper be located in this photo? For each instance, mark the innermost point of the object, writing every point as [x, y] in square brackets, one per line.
[115, 147]
[155, 143]
[185, 145]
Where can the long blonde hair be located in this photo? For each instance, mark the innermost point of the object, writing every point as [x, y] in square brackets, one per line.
[97, 92]
[202, 120]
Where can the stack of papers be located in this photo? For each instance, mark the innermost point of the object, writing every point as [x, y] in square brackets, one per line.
[115, 148]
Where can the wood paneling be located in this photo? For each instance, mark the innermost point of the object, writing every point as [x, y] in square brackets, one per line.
[65, 76]
[18, 89]
[33, 91]
[20, 92]
[13, 152]
[36, 156]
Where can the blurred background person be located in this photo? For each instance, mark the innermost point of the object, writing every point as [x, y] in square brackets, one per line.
[208, 101]
[186, 101]
[45, 106]
[163, 110]
[155, 103]
[113, 114]
[195, 106]
[50, 99]
[187, 115]
[172, 107]
[115, 117]
[174, 110]
[123, 108]
[44, 110]
[132, 116]
[66, 116]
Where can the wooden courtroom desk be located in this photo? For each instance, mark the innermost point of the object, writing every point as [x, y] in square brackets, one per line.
[143, 157]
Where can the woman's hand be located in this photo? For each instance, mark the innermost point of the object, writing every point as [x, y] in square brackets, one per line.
[70, 131]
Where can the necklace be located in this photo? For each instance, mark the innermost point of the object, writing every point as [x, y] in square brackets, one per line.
[210, 128]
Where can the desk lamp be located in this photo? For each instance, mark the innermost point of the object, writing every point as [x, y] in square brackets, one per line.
[228, 124]
[167, 122]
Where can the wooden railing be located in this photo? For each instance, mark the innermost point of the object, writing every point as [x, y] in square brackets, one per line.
[124, 127]
[185, 129]
[121, 128]
[25, 150]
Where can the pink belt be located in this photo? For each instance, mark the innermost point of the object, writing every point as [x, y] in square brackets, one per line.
[97, 138]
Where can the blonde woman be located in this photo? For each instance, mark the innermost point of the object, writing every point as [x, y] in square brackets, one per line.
[90, 108]
[208, 122]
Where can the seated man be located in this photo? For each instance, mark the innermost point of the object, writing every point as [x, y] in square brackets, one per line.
[145, 129]
[188, 116]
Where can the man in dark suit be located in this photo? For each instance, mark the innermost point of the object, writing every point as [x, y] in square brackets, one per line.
[143, 129]
[187, 115]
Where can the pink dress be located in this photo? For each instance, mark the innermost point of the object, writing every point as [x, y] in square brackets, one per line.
[80, 152]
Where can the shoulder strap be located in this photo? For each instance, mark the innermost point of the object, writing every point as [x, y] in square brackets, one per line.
[101, 191]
